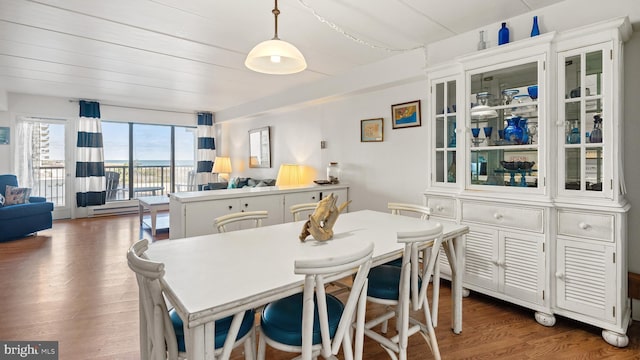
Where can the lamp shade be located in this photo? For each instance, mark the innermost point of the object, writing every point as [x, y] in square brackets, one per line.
[289, 175]
[276, 57]
[222, 165]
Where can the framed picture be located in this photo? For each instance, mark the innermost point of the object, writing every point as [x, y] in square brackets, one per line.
[5, 133]
[371, 130]
[406, 115]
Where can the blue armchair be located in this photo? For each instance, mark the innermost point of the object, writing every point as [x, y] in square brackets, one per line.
[22, 219]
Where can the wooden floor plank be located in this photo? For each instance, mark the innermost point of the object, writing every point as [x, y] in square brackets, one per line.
[72, 284]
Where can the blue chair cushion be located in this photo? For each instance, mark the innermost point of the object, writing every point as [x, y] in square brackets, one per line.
[222, 328]
[282, 319]
[384, 282]
[396, 262]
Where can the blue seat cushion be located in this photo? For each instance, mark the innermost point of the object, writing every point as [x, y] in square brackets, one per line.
[282, 319]
[384, 282]
[20, 211]
[396, 262]
[222, 328]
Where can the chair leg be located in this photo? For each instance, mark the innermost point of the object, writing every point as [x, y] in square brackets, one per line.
[436, 292]
[262, 347]
[430, 337]
[250, 346]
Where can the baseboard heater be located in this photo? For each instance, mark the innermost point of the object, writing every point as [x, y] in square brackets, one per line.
[115, 208]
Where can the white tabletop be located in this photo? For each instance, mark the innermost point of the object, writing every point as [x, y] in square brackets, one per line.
[215, 275]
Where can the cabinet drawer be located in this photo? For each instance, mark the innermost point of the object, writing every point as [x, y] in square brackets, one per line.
[442, 207]
[515, 217]
[586, 225]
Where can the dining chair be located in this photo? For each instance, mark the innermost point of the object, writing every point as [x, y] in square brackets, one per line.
[162, 330]
[423, 213]
[221, 222]
[299, 209]
[316, 323]
[400, 287]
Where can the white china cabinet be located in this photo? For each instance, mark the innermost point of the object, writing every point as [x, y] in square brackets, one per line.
[526, 150]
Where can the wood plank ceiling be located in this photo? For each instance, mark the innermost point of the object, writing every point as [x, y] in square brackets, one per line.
[189, 54]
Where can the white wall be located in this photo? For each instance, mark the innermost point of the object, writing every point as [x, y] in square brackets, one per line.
[62, 108]
[377, 172]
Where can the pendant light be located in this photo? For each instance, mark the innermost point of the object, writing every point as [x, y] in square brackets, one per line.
[275, 56]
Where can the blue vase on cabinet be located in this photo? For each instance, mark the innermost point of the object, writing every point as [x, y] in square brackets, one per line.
[535, 30]
[513, 133]
[503, 34]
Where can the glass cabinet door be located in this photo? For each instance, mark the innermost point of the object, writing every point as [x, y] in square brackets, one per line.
[584, 137]
[445, 109]
[504, 122]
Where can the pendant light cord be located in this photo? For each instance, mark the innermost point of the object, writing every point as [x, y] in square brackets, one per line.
[276, 12]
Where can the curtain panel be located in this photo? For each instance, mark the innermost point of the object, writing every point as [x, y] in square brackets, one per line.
[90, 174]
[206, 149]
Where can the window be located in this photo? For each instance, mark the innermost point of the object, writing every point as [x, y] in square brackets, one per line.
[143, 159]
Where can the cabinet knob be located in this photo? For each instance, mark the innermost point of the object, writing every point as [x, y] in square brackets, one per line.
[313, 198]
[246, 205]
[497, 216]
[584, 226]
[439, 208]
[560, 275]
[230, 207]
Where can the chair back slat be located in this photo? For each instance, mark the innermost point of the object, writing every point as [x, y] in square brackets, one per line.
[221, 222]
[299, 209]
[315, 272]
[157, 337]
[399, 208]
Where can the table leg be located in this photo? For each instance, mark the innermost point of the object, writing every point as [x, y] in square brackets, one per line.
[456, 297]
[140, 211]
[154, 213]
[195, 342]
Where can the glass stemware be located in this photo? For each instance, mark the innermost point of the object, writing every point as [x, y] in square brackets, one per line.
[508, 95]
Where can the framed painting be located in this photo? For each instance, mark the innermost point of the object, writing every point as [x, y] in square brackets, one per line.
[406, 115]
[371, 130]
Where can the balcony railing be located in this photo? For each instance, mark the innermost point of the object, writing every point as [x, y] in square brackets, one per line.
[147, 180]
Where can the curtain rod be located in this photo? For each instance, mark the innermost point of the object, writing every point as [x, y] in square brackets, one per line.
[137, 108]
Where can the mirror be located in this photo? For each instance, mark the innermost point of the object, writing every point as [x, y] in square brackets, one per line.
[259, 148]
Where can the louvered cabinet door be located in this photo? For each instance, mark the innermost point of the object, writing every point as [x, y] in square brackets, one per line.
[522, 266]
[586, 278]
[482, 257]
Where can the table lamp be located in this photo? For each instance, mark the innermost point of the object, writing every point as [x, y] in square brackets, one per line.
[289, 175]
[222, 165]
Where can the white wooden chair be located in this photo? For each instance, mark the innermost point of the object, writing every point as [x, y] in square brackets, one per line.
[221, 222]
[298, 210]
[161, 330]
[401, 287]
[288, 323]
[424, 213]
[400, 208]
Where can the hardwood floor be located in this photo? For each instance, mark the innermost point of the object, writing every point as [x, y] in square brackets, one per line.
[71, 284]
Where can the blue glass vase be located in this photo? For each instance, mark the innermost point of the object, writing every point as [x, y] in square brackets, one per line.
[513, 132]
[535, 30]
[503, 34]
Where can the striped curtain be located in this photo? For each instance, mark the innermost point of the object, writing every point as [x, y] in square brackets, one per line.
[90, 179]
[206, 149]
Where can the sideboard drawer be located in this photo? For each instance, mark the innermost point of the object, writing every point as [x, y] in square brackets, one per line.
[442, 207]
[586, 225]
[522, 218]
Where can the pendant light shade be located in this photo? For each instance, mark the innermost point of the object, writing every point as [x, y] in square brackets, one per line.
[275, 56]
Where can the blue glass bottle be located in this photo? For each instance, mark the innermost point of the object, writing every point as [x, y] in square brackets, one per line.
[503, 34]
[535, 31]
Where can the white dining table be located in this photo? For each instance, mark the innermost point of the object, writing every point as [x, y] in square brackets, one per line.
[213, 276]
